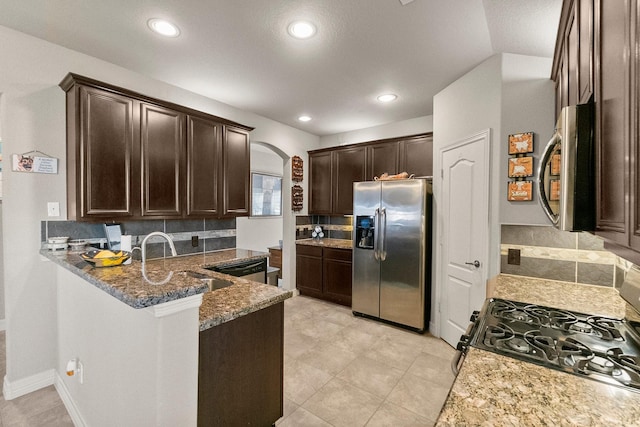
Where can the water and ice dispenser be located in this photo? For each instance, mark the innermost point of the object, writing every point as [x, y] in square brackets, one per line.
[365, 232]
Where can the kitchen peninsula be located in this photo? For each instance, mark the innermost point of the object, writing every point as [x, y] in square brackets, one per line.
[492, 389]
[141, 347]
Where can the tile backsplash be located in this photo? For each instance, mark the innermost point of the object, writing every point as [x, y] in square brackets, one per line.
[548, 253]
[212, 234]
[334, 227]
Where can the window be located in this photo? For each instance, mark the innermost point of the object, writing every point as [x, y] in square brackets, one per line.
[266, 195]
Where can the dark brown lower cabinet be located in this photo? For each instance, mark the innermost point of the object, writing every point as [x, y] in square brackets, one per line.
[240, 370]
[324, 273]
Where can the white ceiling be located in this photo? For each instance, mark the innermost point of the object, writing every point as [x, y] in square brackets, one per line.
[239, 52]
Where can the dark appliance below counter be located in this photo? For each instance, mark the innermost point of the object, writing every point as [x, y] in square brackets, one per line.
[595, 347]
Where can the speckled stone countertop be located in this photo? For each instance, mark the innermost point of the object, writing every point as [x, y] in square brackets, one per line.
[495, 390]
[327, 243]
[127, 284]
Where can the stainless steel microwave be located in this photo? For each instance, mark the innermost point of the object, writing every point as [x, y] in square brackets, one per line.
[566, 174]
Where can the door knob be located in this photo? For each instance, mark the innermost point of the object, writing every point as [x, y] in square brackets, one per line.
[475, 263]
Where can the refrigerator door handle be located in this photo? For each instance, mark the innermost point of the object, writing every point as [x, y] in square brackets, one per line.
[376, 224]
[383, 233]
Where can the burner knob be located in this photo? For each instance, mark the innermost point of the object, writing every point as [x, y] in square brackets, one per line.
[474, 316]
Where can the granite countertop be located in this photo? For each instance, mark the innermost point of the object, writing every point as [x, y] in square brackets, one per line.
[127, 283]
[327, 243]
[496, 390]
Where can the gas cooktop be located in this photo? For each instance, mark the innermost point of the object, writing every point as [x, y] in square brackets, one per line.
[597, 347]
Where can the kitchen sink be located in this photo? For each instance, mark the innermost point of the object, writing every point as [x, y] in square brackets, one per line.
[213, 283]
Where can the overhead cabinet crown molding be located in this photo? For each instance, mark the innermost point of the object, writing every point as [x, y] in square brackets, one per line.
[131, 156]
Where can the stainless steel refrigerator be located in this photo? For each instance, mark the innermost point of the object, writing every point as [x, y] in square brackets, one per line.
[392, 251]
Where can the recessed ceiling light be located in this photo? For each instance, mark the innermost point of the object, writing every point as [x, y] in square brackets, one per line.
[163, 27]
[302, 29]
[304, 118]
[387, 97]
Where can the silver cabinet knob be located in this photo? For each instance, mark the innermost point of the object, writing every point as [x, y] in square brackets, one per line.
[475, 263]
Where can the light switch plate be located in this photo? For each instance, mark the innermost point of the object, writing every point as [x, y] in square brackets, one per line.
[53, 209]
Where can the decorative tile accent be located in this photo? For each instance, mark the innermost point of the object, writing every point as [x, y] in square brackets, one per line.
[212, 234]
[559, 255]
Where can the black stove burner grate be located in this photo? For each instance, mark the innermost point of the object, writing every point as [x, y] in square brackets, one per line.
[596, 347]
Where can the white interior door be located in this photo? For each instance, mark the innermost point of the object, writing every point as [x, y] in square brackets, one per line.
[463, 233]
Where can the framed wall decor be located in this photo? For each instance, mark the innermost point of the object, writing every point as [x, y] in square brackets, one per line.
[296, 198]
[520, 167]
[297, 172]
[521, 143]
[520, 191]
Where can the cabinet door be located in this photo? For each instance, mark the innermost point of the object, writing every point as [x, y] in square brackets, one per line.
[383, 158]
[320, 184]
[103, 156]
[572, 46]
[309, 270]
[337, 275]
[349, 167]
[162, 152]
[612, 108]
[417, 156]
[585, 47]
[203, 166]
[236, 158]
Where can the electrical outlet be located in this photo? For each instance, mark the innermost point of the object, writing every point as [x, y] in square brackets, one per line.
[53, 209]
[194, 241]
[513, 257]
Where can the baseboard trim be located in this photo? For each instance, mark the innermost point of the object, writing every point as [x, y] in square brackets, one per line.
[14, 389]
[69, 403]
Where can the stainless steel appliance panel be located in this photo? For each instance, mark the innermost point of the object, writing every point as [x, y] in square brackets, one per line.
[366, 268]
[403, 234]
[391, 255]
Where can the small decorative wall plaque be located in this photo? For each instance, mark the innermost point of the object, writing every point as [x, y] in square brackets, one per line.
[520, 143]
[296, 198]
[28, 162]
[297, 171]
[520, 167]
[520, 191]
[555, 164]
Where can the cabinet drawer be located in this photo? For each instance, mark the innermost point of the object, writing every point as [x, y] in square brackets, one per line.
[275, 257]
[338, 254]
[309, 250]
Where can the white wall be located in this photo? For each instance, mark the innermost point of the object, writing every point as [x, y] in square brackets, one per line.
[138, 369]
[33, 117]
[258, 233]
[528, 104]
[506, 94]
[390, 130]
[468, 106]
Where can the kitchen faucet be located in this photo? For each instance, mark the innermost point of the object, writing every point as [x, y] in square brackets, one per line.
[156, 233]
[143, 250]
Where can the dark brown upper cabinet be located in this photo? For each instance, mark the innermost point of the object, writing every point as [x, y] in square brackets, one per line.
[333, 171]
[383, 157]
[99, 162]
[204, 148]
[349, 167]
[604, 38]
[162, 154]
[320, 183]
[416, 156]
[573, 69]
[236, 155]
[130, 156]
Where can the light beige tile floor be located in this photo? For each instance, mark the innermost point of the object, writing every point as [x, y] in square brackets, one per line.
[341, 370]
